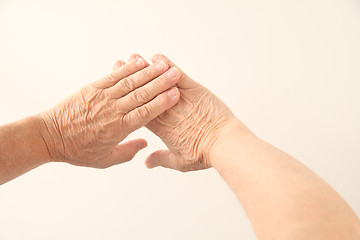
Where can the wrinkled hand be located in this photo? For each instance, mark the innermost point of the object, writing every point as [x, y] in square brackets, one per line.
[86, 128]
[190, 128]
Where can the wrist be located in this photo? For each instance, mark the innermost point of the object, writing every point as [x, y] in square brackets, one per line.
[233, 136]
[27, 137]
[36, 136]
[22, 148]
[51, 136]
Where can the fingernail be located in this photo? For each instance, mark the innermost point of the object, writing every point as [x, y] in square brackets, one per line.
[120, 64]
[133, 56]
[160, 66]
[155, 58]
[173, 92]
[140, 62]
[172, 73]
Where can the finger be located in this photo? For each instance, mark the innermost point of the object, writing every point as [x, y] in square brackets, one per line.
[124, 71]
[149, 91]
[134, 56]
[124, 152]
[140, 116]
[118, 64]
[185, 81]
[163, 158]
[130, 83]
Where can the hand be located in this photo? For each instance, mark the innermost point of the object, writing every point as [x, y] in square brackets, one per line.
[190, 128]
[86, 128]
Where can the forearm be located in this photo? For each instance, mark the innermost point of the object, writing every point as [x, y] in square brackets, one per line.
[282, 197]
[21, 148]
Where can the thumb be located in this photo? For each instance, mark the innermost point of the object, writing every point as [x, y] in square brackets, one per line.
[126, 151]
[163, 158]
[185, 81]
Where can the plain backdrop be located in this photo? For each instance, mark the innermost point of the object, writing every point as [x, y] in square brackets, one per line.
[290, 70]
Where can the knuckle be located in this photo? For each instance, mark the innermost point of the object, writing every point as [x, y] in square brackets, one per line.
[127, 84]
[159, 83]
[124, 122]
[126, 68]
[111, 77]
[141, 96]
[144, 112]
[146, 94]
[120, 110]
[106, 93]
[146, 73]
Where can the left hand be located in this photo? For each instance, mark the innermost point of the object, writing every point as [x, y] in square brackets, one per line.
[86, 128]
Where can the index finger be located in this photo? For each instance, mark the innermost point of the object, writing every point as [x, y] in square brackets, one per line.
[124, 71]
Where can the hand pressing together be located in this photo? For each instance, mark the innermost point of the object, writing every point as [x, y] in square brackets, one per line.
[86, 128]
[191, 127]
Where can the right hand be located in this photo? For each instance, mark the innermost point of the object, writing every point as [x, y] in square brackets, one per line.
[192, 127]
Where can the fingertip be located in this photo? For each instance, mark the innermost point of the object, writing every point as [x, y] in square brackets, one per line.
[140, 61]
[170, 98]
[174, 94]
[153, 160]
[142, 144]
[155, 57]
[118, 64]
[133, 57]
[148, 165]
[149, 162]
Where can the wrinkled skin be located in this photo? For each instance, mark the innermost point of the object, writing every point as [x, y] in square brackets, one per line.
[190, 128]
[86, 128]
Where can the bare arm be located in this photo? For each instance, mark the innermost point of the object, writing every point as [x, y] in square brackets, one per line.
[86, 128]
[21, 148]
[282, 197]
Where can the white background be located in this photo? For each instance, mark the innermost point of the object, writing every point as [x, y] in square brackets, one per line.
[288, 69]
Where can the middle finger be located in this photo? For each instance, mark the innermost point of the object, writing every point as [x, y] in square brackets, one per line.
[138, 79]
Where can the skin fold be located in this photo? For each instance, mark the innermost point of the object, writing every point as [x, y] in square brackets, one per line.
[86, 128]
[190, 128]
[282, 198]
